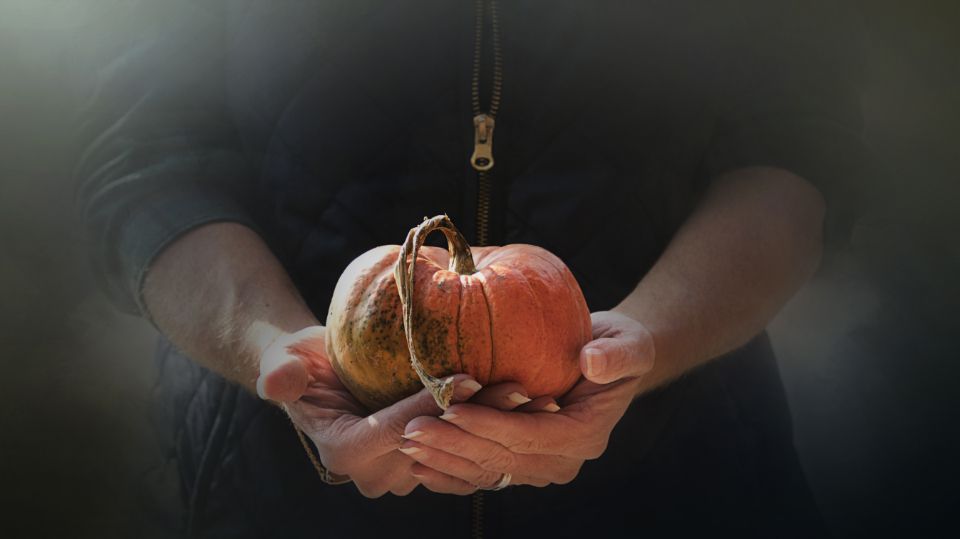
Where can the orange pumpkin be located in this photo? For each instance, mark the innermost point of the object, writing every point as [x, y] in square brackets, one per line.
[512, 313]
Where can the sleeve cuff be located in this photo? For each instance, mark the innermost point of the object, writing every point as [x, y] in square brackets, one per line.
[158, 221]
[831, 158]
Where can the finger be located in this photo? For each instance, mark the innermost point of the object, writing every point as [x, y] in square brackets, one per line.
[535, 433]
[443, 446]
[609, 359]
[540, 404]
[405, 486]
[451, 465]
[388, 474]
[353, 440]
[383, 430]
[464, 388]
[441, 483]
[505, 396]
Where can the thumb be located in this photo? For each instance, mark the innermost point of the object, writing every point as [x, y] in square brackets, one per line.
[609, 359]
[283, 378]
[283, 373]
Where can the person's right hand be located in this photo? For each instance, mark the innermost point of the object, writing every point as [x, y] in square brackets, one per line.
[295, 371]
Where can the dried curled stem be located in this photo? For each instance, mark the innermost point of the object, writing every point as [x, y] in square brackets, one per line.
[461, 261]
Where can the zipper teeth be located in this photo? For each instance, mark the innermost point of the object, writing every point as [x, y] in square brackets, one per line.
[496, 90]
[477, 529]
[477, 52]
[497, 60]
[484, 187]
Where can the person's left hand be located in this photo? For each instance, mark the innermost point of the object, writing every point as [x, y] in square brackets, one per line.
[473, 445]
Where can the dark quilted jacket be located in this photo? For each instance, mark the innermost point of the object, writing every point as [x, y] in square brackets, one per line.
[334, 126]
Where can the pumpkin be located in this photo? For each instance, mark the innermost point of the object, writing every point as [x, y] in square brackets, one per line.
[511, 313]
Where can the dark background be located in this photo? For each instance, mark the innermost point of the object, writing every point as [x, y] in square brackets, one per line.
[868, 350]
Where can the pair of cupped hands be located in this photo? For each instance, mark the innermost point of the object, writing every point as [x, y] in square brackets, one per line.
[487, 433]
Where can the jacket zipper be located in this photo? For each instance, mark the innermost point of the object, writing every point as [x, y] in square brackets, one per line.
[484, 122]
[482, 159]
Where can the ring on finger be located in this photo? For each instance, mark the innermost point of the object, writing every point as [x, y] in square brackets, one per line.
[502, 484]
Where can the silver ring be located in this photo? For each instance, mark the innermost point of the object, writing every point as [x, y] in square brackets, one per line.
[504, 483]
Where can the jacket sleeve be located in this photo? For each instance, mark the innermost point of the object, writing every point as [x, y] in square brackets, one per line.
[160, 154]
[790, 99]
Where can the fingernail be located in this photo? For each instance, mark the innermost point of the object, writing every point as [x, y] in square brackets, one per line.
[518, 398]
[594, 361]
[412, 435]
[409, 450]
[465, 389]
[449, 416]
[551, 407]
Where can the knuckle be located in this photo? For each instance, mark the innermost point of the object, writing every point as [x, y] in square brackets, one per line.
[434, 487]
[616, 356]
[568, 474]
[498, 461]
[441, 487]
[371, 489]
[626, 349]
[454, 445]
[389, 434]
[594, 449]
[538, 482]
[488, 479]
[530, 444]
[403, 490]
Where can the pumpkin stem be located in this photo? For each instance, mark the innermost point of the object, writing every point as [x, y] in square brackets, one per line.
[461, 261]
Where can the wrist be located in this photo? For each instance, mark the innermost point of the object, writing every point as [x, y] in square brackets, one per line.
[672, 340]
[260, 336]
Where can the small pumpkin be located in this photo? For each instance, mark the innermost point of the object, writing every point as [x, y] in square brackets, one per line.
[511, 313]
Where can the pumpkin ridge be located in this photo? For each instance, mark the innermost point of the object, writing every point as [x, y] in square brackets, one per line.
[459, 317]
[486, 301]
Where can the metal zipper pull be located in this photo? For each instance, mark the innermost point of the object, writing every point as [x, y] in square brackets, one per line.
[482, 158]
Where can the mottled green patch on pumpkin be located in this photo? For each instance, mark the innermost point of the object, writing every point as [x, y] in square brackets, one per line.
[431, 343]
